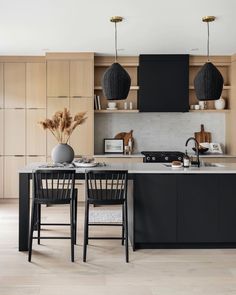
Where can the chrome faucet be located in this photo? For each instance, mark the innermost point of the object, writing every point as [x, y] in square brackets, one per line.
[197, 149]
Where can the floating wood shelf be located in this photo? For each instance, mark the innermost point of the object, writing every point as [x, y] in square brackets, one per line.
[225, 87]
[131, 87]
[116, 111]
[122, 64]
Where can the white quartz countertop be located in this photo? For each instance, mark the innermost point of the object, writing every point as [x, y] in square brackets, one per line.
[139, 155]
[152, 168]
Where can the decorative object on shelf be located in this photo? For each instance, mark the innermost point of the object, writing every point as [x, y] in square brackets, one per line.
[113, 146]
[97, 102]
[116, 81]
[202, 105]
[220, 104]
[62, 126]
[208, 82]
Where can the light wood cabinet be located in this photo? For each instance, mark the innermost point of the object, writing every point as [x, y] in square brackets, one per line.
[14, 133]
[1, 178]
[35, 135]
[15, 85]
[54, 105]
[36, 85]
[81, 78]
[82, 139]
[1, 87]
[11, 176]
[1, 132]
[58, 78]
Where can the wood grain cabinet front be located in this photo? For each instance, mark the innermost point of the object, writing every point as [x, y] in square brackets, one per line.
[35, 135]
[82, 137]
[14, 132]
[1, 132]
[36, 85]
[81, 78]
[58, 78]
[1, 177]
[1, 87]
[54, 104]
[15, 85]
[11, 175]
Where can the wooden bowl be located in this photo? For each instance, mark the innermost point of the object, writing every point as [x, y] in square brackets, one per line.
[201, 150]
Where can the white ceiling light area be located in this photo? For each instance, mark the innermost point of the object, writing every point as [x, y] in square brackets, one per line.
[33, 27]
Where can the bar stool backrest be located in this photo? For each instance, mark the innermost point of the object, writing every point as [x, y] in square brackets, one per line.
[53, 185]
[106, 185]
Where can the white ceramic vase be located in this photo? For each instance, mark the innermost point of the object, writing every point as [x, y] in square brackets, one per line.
[62, 153]
[220, 104]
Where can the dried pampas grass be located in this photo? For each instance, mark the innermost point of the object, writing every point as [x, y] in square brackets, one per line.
[63, 124]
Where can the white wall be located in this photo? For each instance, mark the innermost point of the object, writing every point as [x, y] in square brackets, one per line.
[158, 131]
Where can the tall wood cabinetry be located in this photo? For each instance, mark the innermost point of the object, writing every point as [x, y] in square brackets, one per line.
[23, 104]
[70, 85]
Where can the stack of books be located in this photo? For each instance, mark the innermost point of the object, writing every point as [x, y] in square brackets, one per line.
[97, 102]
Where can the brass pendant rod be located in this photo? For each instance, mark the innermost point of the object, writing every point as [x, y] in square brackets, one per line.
[208, 42]
[115, 43]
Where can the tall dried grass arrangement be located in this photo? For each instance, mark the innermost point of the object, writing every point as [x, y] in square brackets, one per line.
[63, 124]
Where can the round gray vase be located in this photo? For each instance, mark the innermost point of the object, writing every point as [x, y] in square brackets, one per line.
[62, 153]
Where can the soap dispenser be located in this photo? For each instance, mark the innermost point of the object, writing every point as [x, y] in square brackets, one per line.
[186, 160]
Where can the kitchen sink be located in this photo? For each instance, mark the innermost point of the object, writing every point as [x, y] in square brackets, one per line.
[213, 165]
[216, 165]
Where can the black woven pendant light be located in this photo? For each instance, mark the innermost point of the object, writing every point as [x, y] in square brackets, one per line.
[116, 81]
[208, 82]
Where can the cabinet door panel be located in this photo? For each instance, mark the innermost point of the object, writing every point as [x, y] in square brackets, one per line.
[14, 132]
[155, 201]
[1, 177]
[227, 209]
[81, 78]
[57, 78]
[11, 176]
[14, 85]
[1, 132]
[82, 137]
[54, 105]
[35, 136]
[198, 208]
[1, 86]
[36, 85]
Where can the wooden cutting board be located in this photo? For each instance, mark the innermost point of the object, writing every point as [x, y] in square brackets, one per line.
[202, 136]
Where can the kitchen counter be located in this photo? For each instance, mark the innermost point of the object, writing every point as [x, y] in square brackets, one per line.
[154, 168]
[139, 155]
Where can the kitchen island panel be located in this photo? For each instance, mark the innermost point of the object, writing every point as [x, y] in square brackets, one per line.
[155, 200]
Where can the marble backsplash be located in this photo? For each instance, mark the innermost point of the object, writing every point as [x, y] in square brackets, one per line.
[158, 131]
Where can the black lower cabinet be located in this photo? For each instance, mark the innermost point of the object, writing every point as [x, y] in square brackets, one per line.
[183, 210]
[198, 198]
[227, 209]
[155, 200]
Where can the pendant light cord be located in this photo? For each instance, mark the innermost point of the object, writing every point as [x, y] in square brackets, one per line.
[115, 43]
[208, 42]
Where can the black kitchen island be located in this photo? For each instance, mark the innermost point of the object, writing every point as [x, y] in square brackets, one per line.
[168, 208]
[183, 211]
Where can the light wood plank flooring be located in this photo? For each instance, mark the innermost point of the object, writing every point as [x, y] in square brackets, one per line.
[150, 272]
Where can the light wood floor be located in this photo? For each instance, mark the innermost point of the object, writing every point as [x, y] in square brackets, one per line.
[150, 272]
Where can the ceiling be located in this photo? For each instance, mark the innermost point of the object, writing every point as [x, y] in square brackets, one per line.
[33, 27]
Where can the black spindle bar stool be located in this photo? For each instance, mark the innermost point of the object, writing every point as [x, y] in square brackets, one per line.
[53, 187]
[106, 187]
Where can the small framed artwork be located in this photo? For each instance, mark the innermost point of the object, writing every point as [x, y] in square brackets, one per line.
[113, 146]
